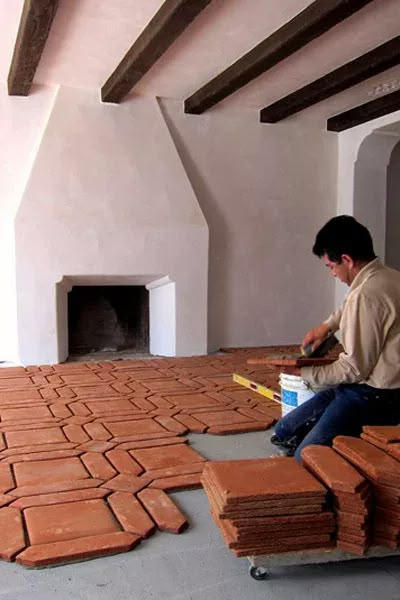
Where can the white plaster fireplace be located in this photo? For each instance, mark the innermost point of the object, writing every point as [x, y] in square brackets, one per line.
[108, 202]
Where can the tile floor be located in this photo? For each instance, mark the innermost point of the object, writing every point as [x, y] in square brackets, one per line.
[89, 450]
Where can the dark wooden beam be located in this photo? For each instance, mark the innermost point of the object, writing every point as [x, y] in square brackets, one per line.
[34, 28]
[166, 26]
[372, 63]
[365, 112]
[312, 22]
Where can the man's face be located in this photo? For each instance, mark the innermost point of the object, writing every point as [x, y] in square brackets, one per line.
[342, 271]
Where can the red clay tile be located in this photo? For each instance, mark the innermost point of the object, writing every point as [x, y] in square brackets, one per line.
[223, 417]
[5, 499]
[13, 395]
[384, 433]
[191, 423]
[163, 510]
[49, 393]
[31, 438]
[133, 427]
[130, 514]
[239, 428]
[168, 456]
[10, 382]
[79, 549]
[59, 498]
[332, 469]
[98, 466]
[68, 521]
[171, 424]
[65, 392]
[123, 462]
[54, 454]
[60, 410]
[194, 400]
[79, 409]
[16, 414]
[6, 478]
[179, 482]
[80, 378]
[75, 433]
[63, 469]
[95, 446]
[158, 442]
[394, 450]
[57, 486]
[127, 483]
[12, 539]
[97, 432]
[186, 469]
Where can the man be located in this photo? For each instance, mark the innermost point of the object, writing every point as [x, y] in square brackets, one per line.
[363, 385]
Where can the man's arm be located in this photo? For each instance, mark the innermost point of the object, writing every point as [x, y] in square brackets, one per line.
[317, 335]
[363, 336]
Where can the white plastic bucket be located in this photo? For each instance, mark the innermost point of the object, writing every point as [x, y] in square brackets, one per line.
[295, 391]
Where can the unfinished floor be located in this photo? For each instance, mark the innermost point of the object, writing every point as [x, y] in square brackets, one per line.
[196, 564]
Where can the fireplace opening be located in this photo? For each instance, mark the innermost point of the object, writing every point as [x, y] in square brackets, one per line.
[108, 318]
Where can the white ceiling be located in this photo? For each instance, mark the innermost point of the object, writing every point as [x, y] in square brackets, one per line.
[89, 38]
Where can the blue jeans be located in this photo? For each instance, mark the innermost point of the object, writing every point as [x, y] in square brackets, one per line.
[340, 410]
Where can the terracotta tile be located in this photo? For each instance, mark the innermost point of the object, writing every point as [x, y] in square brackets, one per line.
[194, 400]
[15, 382]
[5, 499]
[332, 469]
[70, 368]
[143, 404]
[68, 521]
[54, 380]
[384, 433]
[375, 463]
[31, 438]
[62, 469]
[158, 442]
[165, 386]
[48, 393]
[57, 486]
[123, 462]
[134, 427]
[6, 478]
[127, 483]
[13, 371]
[96, 446]
[168, 456]
[223, 417]
[59, 498]
[394, 450]
[103, 407]
[130, 514]
[97, 432]
[185, 469]
[65, 392]
[160, 402]
[12, 538]
[75, 433]
[101, 390]
[60, 410]
[16, 414]
[162, 509]
[144, 374]
[76, 420]
[250, 480]
[120, 416]
[374, 441]
[80, 378]
[179, 482]
[25, 426]
[98, 466]
[137, 438]
[79, 409]
[239, 428]
[191, 423]
[36, 456]
[171, 424]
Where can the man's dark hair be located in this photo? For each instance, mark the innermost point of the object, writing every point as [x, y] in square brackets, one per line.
[344, 235]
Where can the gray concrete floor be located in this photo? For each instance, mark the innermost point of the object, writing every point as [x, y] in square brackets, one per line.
[196, 565]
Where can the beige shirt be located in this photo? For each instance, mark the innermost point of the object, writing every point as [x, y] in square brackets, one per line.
[369, 323]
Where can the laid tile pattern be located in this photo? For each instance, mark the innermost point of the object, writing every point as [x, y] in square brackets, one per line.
[89, 451]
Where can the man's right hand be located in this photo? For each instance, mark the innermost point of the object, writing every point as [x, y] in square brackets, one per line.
[316, 336]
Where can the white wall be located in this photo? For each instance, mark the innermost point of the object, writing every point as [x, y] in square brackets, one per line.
[265, 190]
[22, 121]
[107, 197]
[393, 210]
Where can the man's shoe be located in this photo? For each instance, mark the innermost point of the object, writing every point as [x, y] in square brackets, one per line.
[277, 442]
[285, 452]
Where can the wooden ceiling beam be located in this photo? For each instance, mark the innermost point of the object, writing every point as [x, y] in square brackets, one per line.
[34, 28]
[365, 112]
[169, 22]
[372, 63]
[313, 21]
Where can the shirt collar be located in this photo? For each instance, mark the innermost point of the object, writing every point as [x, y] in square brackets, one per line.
[366, 272]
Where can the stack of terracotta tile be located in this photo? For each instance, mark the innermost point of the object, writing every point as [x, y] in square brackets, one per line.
[268, 506]
[384, 473]
[351, 495]
[386, 437]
